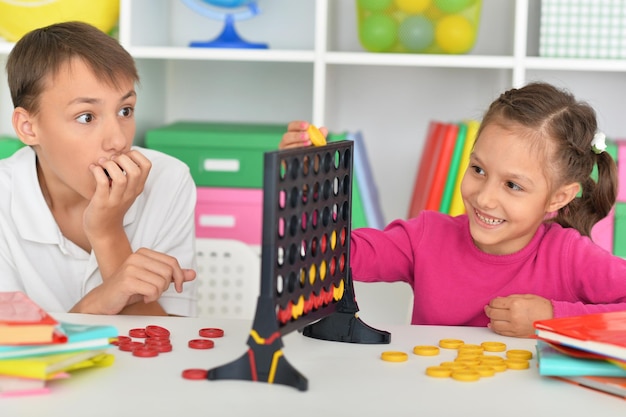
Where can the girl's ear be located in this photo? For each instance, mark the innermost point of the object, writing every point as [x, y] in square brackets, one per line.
[563, 196]
[23, 126]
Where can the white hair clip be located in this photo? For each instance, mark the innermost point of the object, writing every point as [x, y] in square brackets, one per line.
[598, 144]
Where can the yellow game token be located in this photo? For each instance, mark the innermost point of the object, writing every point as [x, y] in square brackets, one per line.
[468, 347]
[394, 356]
[465, 375]
[453, 365]
[493, 346]
[426, 350]
[450, 343]
[438, 371]
[519, 354]
[468, 361]
[484, 370]
[317, 139]
[516, 363]
[497, 366]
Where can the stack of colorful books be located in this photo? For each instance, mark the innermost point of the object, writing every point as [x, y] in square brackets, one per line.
[445, 156]
[588, 350]
[35, 348]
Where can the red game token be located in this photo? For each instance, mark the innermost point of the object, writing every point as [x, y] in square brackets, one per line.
[141, 333]
[195, 373]
[211, 332]
[155, 341]
[157, 331]
[120, 340]
[162, 348]
[129, 346]
[145, 352]
[201, 344]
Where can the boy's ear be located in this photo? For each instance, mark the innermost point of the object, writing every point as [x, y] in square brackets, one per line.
[563, 196]
[23, 126]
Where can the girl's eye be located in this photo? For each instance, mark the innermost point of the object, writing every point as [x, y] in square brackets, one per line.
[85, 118]
[478, 170]
[126, 112]
[513, 186]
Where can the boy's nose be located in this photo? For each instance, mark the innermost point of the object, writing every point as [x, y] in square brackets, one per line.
[115, 138]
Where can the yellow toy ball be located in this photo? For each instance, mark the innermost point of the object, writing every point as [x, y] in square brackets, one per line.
[18, 17]
[412, 6]
[455, 34]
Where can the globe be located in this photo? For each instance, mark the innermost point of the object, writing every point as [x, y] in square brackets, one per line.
[228, 38]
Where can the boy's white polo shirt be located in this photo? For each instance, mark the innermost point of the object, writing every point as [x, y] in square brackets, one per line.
[36, 258]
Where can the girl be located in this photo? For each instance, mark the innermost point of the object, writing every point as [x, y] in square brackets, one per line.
[522, 252]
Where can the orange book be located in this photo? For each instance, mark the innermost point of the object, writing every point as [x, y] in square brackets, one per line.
[600, 333]
[22, 321]
[426, 169]
[442, 167]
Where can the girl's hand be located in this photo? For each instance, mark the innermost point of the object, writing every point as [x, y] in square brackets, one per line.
[297, 136]
[514, 315]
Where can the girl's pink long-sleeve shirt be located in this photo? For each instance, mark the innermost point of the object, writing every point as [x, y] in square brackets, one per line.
[453, 280]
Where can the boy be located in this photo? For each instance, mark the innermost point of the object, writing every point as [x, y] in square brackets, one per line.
[88, 223]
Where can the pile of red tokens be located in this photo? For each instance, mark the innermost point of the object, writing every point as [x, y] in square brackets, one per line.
[156, 340]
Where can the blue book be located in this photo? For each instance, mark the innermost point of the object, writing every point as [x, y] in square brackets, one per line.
[554, 362]
[366, 183]
[72, 338]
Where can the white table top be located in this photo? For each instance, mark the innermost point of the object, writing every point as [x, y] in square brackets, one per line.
[343, 379]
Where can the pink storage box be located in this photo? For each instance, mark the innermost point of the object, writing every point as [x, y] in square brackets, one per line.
[230, 213]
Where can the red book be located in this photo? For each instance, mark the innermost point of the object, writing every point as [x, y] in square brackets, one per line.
[442, 167]
[426, 169]
[608, 384]
[600, 333]
[22, 321]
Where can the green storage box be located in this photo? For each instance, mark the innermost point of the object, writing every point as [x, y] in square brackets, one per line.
[219, 154]
[8, 146]
[619, 238]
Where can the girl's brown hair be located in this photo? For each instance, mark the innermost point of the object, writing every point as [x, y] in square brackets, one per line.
[563, 128]
[40, 53]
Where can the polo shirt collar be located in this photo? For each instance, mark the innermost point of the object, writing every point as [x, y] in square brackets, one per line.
[29, 210]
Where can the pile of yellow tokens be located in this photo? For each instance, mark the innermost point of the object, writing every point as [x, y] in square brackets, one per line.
[472, 362]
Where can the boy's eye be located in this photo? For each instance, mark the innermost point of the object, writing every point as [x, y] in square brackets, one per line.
[126, 112]
[85, 118]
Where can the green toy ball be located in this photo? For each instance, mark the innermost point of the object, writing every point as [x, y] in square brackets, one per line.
[374, 5]
[378, 32]
[453, 6]
[416, 33]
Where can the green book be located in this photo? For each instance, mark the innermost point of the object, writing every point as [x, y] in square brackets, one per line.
[455, 161]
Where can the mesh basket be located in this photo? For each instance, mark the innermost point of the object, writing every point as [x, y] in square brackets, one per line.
[418, 26]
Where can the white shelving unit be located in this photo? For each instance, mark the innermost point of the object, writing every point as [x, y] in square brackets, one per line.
[316, 70]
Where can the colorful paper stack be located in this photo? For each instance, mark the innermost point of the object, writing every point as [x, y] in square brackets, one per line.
[588, 350]
[35, 348]
[443, 163]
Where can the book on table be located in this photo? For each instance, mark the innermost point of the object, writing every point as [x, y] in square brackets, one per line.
[600, 333]
[77, 337]
[45, 367]
[607, 384]
[22, 321]
[558, 360]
